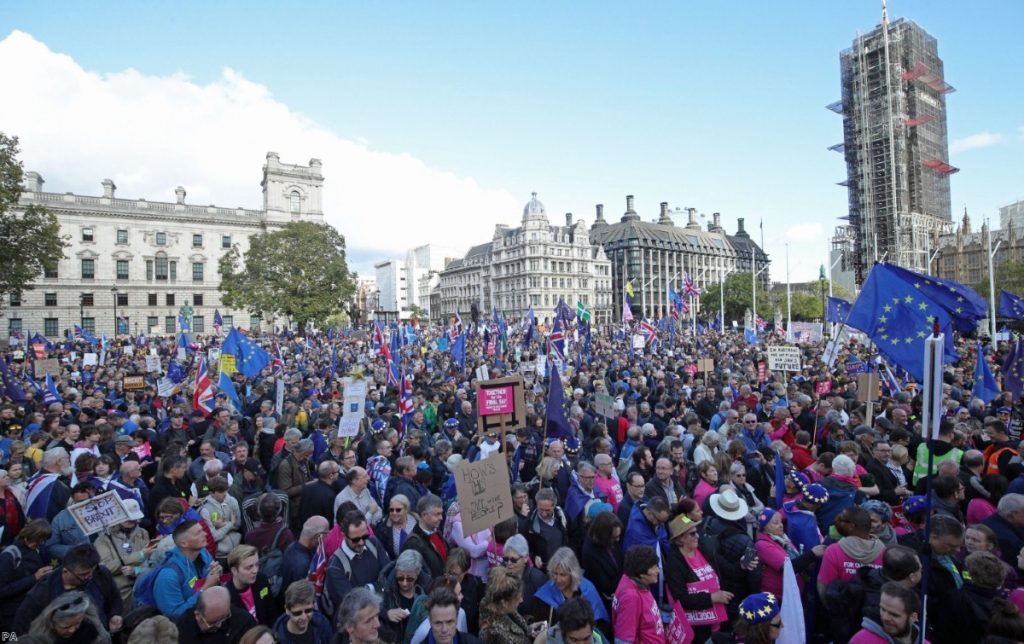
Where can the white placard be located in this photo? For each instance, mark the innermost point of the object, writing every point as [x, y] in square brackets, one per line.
[99, 512]
[639, 341]
[279, 397]
[542, 366]
[89, 359]
[783, 358]
[182, 354]
[354, 408]
[153, 351]
[165, 387]
[153, 364]
[482, 373]
[213, 355]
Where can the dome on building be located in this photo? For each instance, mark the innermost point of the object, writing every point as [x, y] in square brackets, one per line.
[534, 209]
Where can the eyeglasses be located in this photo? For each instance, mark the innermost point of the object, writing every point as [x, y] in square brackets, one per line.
[82, 577]
[405, 580]
[358, 539]
[300, 613]
[511, 561]
[750, 422]
[395, 510]
[214, 624]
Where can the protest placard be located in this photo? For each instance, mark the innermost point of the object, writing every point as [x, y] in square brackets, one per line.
[227, 364]
[783, 358]
[90, 359]
[485, 496]
[279, 396]
[153, 364]
[354, 406]
[99, 512]
[50, 364]
[481, 372]
[639, 342]
[134, 382]
[165, 387]
[604, 404]
[501, 404]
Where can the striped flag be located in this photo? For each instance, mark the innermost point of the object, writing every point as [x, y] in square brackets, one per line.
[202, 399]
[40, 487]
[318, 569]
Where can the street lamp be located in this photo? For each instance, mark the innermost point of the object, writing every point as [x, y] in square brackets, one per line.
[113, 290]
[81, 310]
[821, 280]
[376, 304]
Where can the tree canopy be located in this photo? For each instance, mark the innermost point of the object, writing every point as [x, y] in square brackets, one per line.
[298, 271]
[30, 241]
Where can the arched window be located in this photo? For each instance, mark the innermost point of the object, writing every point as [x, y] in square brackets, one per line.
[296, 201]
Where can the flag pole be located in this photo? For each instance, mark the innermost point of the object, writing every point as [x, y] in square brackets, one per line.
[932, 419]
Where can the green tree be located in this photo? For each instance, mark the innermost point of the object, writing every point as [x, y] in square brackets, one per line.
[30, 241]
[298, 272]
[738, 298]
[1008, 276]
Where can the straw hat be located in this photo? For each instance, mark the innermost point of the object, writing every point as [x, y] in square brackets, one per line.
[728, 505]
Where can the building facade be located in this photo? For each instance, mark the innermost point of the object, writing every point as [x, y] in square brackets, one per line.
[1014, 213]
[405, 284]
[534, 264]
[963, 255]
[895, 146]
[147, 262]
[654, 256]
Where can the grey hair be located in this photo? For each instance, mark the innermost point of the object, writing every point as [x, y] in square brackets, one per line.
[724, 406]
[517, 544]
[305, 446]
[844, 466]
[564, 560]
[356, 601]
[213, 464]
[409, 561]
[428, 502]
[292, 433]
[402, 499]
[736, 468]
[602, 459]
[53, 455]
[1010, 503]
[711, 439]
[74, 603]
[585, 468]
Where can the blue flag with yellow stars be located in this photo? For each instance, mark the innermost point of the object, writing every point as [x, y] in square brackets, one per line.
[897, 314]
[962, 303]
[1013, 370]
[838, 310]
[1010, 306]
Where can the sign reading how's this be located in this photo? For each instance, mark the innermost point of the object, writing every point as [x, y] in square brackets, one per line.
[485, 496]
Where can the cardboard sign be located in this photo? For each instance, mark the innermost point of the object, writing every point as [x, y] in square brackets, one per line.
[482, 373]
[639, 342]
[153, 364]
[604, 404]
[496, 400]
[705, 364]
[485, 496]
[867, 387]
[134, 382]
[354, 407]
[783, 358]
[227, 364]
[89, 360]
[99, 512]
[501, 404]
[50, 364]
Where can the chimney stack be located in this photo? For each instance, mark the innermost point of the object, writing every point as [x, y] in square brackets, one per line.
[179, 195]
[33, 181]
[716, 221]
[568, 220]
[600, 212]
[108, 188]
[629, 205]
[691, 221]
[739, 226]
[664, 218]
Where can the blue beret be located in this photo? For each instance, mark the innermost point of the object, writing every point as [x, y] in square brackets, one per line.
[760, 608]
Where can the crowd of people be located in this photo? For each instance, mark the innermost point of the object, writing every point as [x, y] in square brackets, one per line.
[654, 503]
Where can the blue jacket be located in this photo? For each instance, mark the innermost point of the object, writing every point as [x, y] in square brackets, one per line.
[65, 536]
[320, 625]
[1010, 538]
[841, 496]
[174, 589]
[577, 500]
[639, 531]
[801, 527]
[754, 440]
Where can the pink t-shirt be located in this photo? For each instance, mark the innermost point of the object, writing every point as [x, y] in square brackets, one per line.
[836, 564]
[636, 619]
[249, 601]
[611, 489]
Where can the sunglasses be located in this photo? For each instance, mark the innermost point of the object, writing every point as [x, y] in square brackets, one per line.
[777, 624]
[358, 539]
[405, 580]
[395, 510]
[300, 613]
[67, 605]
[511, 561]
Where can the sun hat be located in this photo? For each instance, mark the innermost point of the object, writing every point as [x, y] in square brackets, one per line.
[728, 505]
[680, 525]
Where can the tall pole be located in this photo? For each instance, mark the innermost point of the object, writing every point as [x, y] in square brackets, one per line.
[721, 293]
[821, 279]
[991, 283]
[114, 291]
[753, 287]
[789, 298]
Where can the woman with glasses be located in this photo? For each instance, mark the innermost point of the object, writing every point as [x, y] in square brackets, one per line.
[70, 618]
[516, 559]
[738, 481]
[301, 622]
[498, 617]
[760, 621]
[692, 581]
[396, 526]
[637, 617]
[565, 581]
[401, 587]
[602, 555]
[708, 483]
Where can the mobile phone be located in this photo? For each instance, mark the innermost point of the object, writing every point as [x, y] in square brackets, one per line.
[748, 556]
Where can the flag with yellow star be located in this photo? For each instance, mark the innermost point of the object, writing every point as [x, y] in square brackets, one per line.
[1013, 370]
[898, 314]
[962, 303]
[1010, 306]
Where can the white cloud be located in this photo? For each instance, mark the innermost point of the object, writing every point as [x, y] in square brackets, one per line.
[975, 141]
[152, 133]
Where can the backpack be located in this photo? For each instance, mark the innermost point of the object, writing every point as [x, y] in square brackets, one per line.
[346, 566]
[844, 602]
[271, 562]
[142, 592]
[15, 553]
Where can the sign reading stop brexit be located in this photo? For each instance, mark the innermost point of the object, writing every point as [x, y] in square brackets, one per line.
[99, 512]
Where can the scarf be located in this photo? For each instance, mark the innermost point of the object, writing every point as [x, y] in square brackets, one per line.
[786, 544]
[12, 520]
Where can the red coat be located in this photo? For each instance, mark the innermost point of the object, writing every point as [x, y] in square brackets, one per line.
[802, 457]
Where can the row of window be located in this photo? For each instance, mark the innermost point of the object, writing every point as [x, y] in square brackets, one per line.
[88, 299]
[89, 235]
[51, 326]
[160, 269]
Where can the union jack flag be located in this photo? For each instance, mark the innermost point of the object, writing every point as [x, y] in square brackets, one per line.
[318, 569]
[202, 399]
[650, 333]
[40, 486]
[277, 364]
[393, 379]
[760, 324]
[689, 287]
[556, 341]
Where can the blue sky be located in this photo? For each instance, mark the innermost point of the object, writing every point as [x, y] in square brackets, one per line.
[719, 106]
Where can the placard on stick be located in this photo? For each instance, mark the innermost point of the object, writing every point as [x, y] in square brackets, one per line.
[867, 387]
[500, 405]
[42, 366]
[783, 358]
[134, 382]
[99, 512]
[485, 496]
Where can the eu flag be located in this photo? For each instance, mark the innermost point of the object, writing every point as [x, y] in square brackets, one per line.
[249, 358]
[557, 425]
[1013, 370]
[962, 303]
[10, 384]
[1010, 306]
[459, 351]
[837, 310]
[984, 382]
[228, 388]
[897, 314]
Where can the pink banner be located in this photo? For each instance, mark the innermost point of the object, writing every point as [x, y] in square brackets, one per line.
[496, 400]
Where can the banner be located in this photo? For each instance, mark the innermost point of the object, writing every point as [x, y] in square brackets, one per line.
[783, 358]
[485, 496]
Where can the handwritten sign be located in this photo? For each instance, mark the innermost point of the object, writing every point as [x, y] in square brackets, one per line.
[783, 358]
[604, 404]
[227, 364]
[153, 364]
[485, 496]
[99, 512]
[354, 408]
[50, 364]
[90, 359]
[134, 382]
[496, 400]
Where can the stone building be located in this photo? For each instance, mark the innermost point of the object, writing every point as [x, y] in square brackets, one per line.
[962, 255]
[150, 259]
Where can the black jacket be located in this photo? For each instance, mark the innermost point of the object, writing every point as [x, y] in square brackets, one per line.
[101, 590]
[420, 542]
[229, 632]
[16, 581]
[262, 597]
[164, 488]
[603, 567]
[317, 499]
[963, 616]
[886, 481]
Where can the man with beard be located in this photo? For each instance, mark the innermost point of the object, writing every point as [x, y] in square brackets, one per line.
[48, 489]
[898, 610]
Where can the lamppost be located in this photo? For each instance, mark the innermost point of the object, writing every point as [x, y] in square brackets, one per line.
[821, 280]
[81, 310]
[376, 303]
[113, 290]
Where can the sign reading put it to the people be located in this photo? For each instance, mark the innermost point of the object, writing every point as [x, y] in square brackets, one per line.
[783, 358]
[485, 496]
[99, 512]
